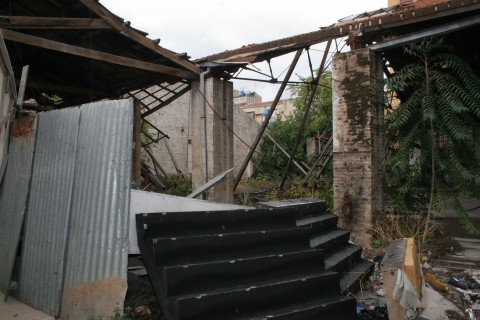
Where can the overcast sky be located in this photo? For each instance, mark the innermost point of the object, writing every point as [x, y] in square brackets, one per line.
[204, 27]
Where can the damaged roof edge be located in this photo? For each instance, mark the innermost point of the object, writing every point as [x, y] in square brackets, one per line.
[376, 22]
[137, 36]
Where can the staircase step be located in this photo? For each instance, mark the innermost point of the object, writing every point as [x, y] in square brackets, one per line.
[351, 280]
[178, 224]
[330, 240]
[207, 276]
[230, 246]
[301, 207]
[332, 308]
[235, 302]
[343, 259]
[319, 222]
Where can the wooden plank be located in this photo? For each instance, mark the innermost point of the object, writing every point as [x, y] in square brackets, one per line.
[52, 23]
[6, 64]
[97, 55]
[106, 15]
[21, 88]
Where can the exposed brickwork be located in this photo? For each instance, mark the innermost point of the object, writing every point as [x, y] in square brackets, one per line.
[358, 141]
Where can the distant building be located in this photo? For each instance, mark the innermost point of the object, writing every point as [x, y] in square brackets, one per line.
[259, 110]
[241, 98]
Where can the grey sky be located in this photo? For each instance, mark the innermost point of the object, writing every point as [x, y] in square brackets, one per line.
[204, 27]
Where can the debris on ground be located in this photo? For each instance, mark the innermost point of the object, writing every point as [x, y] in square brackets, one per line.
[458, 284]
[436, 284]
[464, 282]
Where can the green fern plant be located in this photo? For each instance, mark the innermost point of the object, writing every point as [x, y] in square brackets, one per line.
[435, 131]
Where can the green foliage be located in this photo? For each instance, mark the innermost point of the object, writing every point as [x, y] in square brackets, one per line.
[272, 163]
[434, 133]
[177, 185]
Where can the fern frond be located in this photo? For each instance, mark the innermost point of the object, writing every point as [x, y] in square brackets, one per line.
[464, 218]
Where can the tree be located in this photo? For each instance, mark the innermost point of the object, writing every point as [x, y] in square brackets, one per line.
[320, 120]
[435, 131]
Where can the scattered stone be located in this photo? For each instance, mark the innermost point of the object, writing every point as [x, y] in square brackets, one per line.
[380, 292]
[439, 270]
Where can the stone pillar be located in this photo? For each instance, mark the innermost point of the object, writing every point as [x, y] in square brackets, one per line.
[358, 147]
[219, 117]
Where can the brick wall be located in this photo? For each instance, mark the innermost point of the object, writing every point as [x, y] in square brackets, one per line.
[358, 149]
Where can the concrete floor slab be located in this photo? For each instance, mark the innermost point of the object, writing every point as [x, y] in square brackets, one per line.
[13, 309]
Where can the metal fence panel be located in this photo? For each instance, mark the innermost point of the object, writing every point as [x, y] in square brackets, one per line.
[48, 211]
[97, 250]
[13, 195]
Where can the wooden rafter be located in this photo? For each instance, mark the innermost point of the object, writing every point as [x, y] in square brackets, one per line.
[113, 21]
[97, 55]
[52, 23]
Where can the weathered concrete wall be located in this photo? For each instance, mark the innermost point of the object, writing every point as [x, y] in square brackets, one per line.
[358, 150]
[246, 129]
[174, 121]
[219, 119]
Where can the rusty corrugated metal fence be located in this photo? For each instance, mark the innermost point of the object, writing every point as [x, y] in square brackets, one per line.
[75, 243]
[97, 249]
[48, 213]
[13, 195]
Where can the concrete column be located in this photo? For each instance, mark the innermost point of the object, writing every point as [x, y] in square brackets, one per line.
[219, 138]
[358, 147]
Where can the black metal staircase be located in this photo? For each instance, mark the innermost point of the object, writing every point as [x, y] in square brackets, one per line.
[271, 263]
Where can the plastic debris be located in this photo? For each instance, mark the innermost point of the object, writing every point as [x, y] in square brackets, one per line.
[378, 313]
[465, 282]
[380, 292]
[471, 314]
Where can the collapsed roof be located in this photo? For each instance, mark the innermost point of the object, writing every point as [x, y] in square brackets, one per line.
[78, 51]
[438, 17]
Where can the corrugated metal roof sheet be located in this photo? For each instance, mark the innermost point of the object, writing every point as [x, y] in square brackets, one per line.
[367, 14]
[97, 250]
[48, 210]
[13, 195]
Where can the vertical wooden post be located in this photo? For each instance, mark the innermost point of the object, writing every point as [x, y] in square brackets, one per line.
[137, 143]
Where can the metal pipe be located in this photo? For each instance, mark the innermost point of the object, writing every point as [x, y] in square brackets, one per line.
[305, 115]
[203, 116]
[265, 123]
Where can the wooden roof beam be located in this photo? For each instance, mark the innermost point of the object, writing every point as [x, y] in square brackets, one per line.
[97, 55]
[52, 23]
[112, 20]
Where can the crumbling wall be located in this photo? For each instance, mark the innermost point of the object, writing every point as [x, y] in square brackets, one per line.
[358, 150]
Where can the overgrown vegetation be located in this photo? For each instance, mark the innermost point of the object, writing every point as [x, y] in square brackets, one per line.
[320, 120]
[271, 165]
[388, 226]
[435, 154]
[176, 184]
